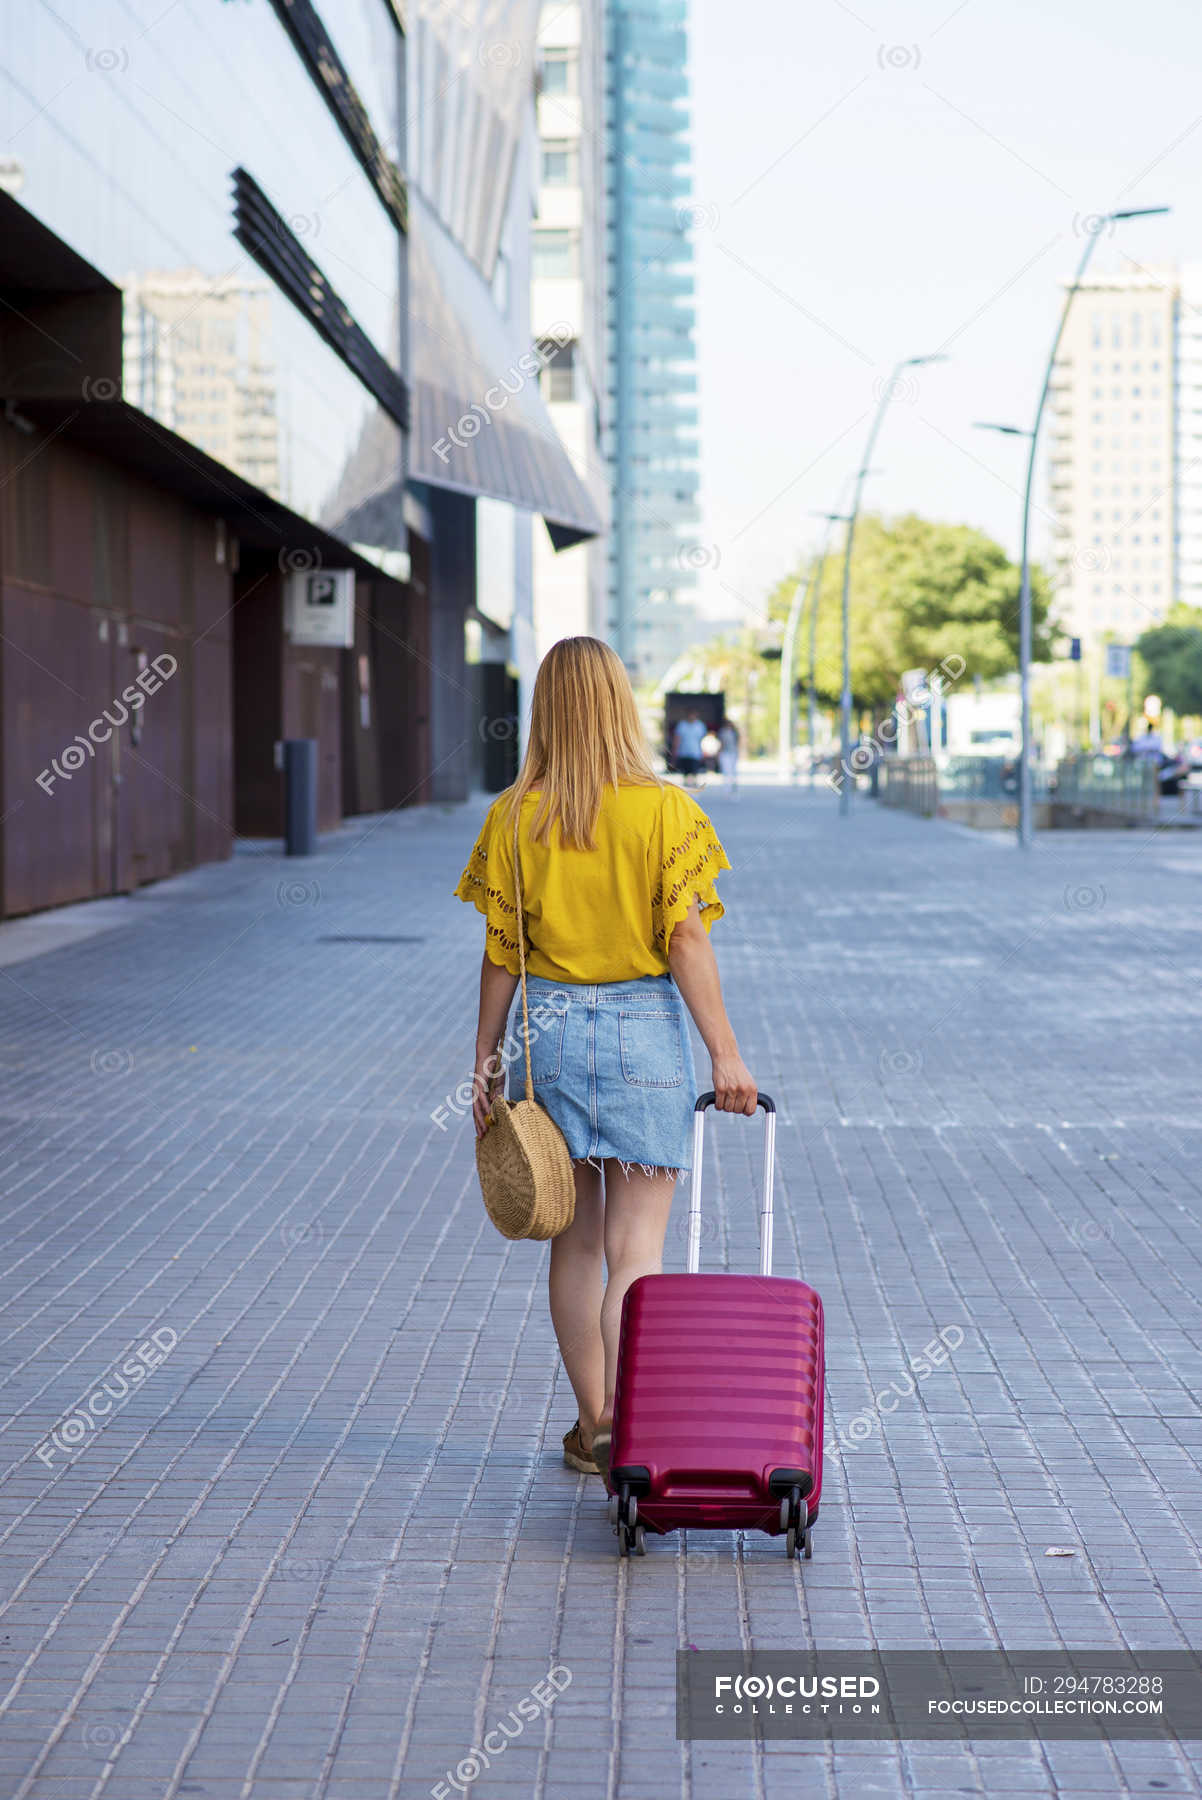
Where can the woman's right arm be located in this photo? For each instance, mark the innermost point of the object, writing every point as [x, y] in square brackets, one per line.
[695, 971]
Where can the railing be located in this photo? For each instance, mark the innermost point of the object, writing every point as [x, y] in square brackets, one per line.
[1127, 785]
[978, 778]
[1186, 803]
[909, 781]
[927, 785]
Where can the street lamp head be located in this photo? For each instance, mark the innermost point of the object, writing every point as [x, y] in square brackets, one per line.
[1139, 212]
[913, 362]
[1009, 430]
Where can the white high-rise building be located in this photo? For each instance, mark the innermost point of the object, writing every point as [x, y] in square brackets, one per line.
[568, 298]
[1188, 438]
[1126, 462]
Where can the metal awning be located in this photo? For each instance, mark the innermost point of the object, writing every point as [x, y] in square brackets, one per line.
[479, 422]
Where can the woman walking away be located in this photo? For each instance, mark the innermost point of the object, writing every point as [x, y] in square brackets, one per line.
[728, 755]
[617, 872]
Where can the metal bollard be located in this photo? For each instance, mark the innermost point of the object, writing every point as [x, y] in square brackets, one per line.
[300, 796]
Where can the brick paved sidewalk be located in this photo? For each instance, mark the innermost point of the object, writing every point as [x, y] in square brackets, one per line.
[324, 1538]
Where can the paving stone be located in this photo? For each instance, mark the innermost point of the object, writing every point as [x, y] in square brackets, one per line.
[327, 1542]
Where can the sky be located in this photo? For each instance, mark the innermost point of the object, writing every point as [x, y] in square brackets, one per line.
[874, 181]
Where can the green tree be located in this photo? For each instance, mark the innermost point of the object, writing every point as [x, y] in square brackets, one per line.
[1172, 655]
[922, 591]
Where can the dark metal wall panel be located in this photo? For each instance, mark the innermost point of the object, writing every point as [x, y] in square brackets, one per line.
[211, 694]
[53, 683]
[401, 668]
[100, 574]
[417, 768]
[258, 719]
[159, 559]
[212, 614]
[313, 709]
[25, 505]
[154, 804]
[212, 786]
[360, 708]
[70, 485]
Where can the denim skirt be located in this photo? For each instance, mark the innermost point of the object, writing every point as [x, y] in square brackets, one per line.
[613, 1065]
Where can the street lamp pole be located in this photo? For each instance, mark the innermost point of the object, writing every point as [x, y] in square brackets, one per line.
[785, 734]
[802, 597]
[833, 518]
[1024, 607]
[887, 393]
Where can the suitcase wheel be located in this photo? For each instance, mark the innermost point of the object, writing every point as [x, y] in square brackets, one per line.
[796, 1533]
[623, 1515]
[804, 1538]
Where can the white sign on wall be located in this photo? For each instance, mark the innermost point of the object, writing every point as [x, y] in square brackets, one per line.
[319, 607]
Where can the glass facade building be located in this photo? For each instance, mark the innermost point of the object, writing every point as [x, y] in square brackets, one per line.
[264, 328]
[122, 136]
[652, 437]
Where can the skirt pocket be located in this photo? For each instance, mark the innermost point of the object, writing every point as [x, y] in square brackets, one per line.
[651, 1047]
[547, 1022]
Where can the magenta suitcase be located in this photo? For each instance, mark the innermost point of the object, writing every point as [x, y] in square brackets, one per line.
[718, 1405]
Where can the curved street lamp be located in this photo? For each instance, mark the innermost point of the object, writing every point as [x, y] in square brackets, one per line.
[1024, 605]
[887, 394]
[803, 596]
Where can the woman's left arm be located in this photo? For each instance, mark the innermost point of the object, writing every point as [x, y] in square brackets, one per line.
[497, 987]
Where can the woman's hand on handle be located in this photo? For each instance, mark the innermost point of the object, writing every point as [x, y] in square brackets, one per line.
[733, 1083]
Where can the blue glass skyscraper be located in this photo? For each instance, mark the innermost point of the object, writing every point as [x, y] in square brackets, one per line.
[652, 439]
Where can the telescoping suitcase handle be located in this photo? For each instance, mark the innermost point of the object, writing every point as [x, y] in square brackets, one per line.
[693, 1262]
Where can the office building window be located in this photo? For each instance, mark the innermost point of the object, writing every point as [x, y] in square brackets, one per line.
[556, 254]
[559, 373]
[561, 70]
[561, 163]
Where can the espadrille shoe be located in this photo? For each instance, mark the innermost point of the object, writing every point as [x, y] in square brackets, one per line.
[575, 1454]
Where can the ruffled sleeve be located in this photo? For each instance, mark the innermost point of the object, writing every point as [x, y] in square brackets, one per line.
[487, 884]
[691, 856]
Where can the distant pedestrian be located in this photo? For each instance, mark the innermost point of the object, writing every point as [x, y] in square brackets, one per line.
[687, 740]
[1148, 743]
[617, 871]
[728, 754]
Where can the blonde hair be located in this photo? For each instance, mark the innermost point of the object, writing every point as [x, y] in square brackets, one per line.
[585, 736]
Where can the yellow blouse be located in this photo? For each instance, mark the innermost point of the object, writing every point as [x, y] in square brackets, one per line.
[597, 915]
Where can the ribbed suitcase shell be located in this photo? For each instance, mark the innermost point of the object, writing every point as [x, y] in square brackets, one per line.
[720, 1381]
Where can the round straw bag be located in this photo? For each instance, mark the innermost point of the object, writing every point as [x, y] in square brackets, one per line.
[522, 1159]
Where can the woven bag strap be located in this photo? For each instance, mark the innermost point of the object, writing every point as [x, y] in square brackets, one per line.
[517, 894]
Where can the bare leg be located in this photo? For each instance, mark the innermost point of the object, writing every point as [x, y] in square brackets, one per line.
[575, 1293]
[637, 1206]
